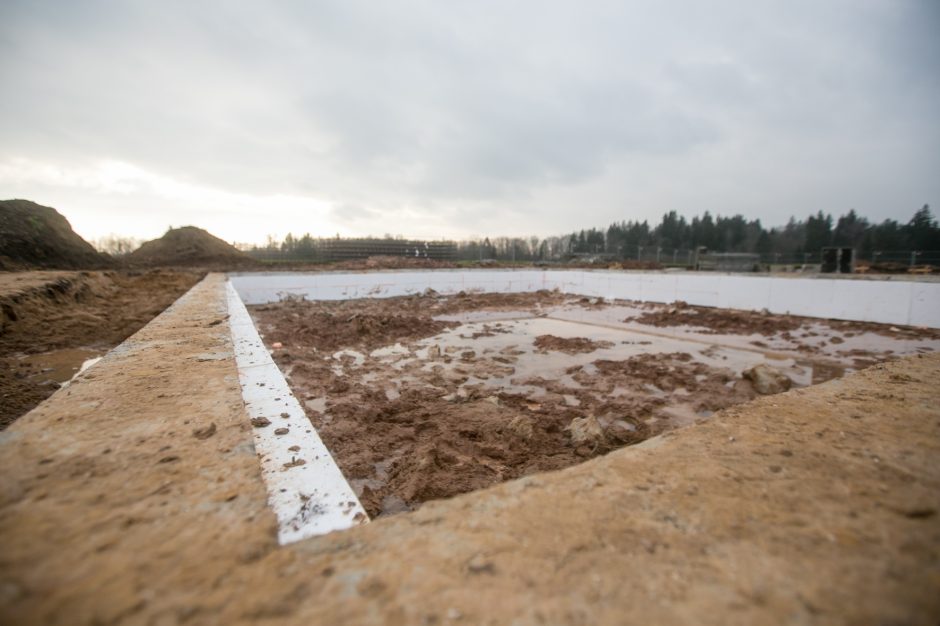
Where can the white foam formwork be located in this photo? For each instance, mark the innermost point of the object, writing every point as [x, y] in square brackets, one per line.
[312, 498]
[884, 301]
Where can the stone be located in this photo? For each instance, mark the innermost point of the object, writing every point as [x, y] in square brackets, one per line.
[585, 430]
[767, 380]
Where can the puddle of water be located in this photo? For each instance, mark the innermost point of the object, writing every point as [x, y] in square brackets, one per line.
[518, 361]
[469, 317]
[316, 404]
[395, 350]
[818, 335]
[357, 358]
[59, 365]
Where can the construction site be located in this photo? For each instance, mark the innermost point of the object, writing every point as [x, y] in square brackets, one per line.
[206, 441]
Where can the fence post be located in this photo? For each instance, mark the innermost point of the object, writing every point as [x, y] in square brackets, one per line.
[913, 258]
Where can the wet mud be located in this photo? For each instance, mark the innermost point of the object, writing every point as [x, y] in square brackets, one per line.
[426, 397]
[723, 321]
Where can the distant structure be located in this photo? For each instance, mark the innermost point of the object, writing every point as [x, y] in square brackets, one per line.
[350, 249]
[726, 261]
[838, 260]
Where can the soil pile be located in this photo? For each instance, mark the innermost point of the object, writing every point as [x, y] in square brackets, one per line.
[188, 246]
[32, 236]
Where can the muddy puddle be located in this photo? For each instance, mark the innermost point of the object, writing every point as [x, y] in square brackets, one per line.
[427, 397]
[57, 366]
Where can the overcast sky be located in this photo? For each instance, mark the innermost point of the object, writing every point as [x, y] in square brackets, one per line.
[460, 118]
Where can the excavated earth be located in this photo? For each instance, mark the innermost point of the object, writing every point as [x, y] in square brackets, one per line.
[819, 505]
[426, 397]
[52, 322]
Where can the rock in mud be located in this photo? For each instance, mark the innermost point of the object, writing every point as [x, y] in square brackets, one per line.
[585, 430]
[522, 427]
[767, 380]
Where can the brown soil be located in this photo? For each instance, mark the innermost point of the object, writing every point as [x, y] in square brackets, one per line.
[569, 345]
[704, 388]
[718, 321]
[815, 506]
[441, 435]
[370, 323]
[189, 247]
[731, 321]
[33, 236]
[43, 312]
[333, 325]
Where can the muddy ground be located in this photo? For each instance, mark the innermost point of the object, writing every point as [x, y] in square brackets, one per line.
[52, 322]
[426, 397]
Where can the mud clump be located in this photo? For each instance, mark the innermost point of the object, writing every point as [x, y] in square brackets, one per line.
[369, 323]
[699, 386]
[330, 328]
[718, 321]
[736, 322]
[422, 447]
[569, 345]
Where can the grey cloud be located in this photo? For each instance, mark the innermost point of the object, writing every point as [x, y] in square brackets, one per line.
[484, 109]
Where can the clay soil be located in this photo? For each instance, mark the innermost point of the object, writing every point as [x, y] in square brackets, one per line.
[52, 321]
[415, 410]
[730, 321]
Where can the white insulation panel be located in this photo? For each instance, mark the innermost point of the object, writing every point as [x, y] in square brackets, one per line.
[306, 489]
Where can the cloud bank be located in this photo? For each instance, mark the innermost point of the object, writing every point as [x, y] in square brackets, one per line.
[454, 119]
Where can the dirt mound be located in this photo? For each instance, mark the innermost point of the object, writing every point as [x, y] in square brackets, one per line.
[32, 235]
[188, 246]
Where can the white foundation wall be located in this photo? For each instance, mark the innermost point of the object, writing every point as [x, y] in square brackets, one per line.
[885, 301]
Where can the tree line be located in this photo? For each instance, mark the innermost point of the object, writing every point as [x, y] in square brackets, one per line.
[737, 234]
[634, 239]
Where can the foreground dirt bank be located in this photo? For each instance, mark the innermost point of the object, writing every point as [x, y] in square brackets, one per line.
[51, 321]
[815, 506]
